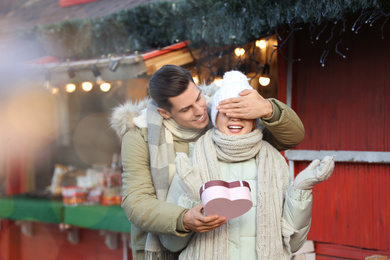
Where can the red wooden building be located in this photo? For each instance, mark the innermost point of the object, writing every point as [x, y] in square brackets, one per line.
[345, 107]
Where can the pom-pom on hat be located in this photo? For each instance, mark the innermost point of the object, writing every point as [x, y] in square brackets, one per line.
[233, 82]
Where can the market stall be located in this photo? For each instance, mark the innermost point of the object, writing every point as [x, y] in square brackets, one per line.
[29, 212]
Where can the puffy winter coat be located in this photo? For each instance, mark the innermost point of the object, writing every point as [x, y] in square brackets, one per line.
[242, 230]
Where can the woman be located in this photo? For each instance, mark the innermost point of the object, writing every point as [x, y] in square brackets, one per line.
[280, 218]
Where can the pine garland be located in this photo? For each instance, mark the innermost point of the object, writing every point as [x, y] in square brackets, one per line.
[211, 22]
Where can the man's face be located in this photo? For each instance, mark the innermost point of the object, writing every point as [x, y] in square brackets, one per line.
[234, 126]
[188, 109]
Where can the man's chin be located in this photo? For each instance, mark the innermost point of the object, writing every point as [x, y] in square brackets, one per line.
[201, 125]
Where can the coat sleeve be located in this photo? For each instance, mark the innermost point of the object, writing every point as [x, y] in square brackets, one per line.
[284, 129]
[178, 196]
[297, 212]
[139, 200]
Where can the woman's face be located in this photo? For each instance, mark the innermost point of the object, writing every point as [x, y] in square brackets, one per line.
[234, 126]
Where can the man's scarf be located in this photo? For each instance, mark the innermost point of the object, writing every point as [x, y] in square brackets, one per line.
[162, 164]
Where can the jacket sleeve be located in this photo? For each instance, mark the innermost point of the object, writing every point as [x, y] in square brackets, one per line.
[178, 196]
[297, 212]
[284, 129]
[139, 200]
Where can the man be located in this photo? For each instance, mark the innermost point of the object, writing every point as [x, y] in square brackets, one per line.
[150, 139]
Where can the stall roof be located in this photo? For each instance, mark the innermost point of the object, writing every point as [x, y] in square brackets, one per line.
[129, 66]
[24, 14]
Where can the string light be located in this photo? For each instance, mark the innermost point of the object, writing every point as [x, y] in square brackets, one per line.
[54, 90]
[196, 80]
[326, 31]
[105, 87]
[240, 62]
[218, 82]
[264, 81]
[239, 51]
[70, 88]
[87, 86]
[261, 44]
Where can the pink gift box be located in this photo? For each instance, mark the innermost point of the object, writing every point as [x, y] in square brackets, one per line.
[226, 199]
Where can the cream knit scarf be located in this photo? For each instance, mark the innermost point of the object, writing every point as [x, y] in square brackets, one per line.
[273, 180]
[162, 164]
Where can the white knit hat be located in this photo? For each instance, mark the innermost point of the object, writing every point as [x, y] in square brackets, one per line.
[233, 82]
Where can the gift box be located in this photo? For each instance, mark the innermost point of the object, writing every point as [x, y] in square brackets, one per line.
[226, 199]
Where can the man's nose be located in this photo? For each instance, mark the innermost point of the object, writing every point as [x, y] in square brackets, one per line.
[198, 109]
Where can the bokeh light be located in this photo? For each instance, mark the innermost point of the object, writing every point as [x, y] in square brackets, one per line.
[264, 81]
[94, 141]
[32, 118]
[261, 44]
[105, 87]
[70, 88]
[87, 86]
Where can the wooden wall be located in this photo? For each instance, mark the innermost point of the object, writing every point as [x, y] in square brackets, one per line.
[50, 243]
[346, 106]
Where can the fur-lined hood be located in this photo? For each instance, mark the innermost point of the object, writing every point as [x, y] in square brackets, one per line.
[122, 116]
[131, 115]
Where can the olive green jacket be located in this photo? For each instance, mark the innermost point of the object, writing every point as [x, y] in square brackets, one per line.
[284, 130]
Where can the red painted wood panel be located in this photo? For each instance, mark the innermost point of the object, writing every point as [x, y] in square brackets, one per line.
[49, 243]
[15, 172]
[346, 106]
[352, 207]
[345, 252]
[320, 257]
[282, 72]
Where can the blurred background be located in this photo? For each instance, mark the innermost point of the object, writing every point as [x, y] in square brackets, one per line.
[64, 65]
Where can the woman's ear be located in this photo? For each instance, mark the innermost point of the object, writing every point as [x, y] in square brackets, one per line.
[165, 114]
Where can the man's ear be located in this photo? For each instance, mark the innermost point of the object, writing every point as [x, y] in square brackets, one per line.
[165, 114]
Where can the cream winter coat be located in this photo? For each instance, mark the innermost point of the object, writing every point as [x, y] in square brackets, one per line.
[242, 230]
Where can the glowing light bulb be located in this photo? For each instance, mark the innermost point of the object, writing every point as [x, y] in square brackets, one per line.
[261, 44]
[54, 90]
[87, 86]
[105, 87]
[239, 51]
[264, 81]
[218, 82]
[196, 80]
[70, 88]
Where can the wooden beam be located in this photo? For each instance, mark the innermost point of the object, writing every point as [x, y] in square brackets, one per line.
[179, 58]
[340, 156]
[345, 252]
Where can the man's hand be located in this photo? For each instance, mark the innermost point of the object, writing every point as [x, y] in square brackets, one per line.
[194, 220]
[250, 105]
